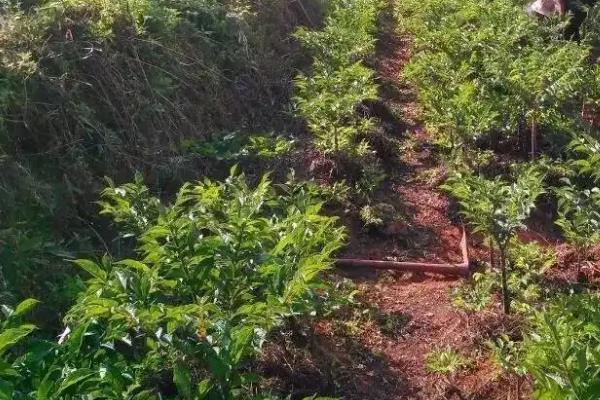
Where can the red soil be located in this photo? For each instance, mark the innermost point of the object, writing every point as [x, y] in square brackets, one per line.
[355, 360]
[428, 235]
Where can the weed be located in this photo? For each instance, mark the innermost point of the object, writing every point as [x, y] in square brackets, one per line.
[378, 215]
[445, 361]
[475, 295]
[393, 323]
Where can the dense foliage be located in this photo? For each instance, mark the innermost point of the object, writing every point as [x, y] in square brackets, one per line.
[490, 77]
[215, 272]
[178, 297]
[489, 72]
[497, 209]
[95, 88]
[339, 82]
[562, 354]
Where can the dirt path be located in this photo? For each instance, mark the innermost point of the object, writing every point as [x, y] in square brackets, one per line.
[378, 351]
[428, 235]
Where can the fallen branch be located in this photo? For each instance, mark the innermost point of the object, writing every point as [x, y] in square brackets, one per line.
[463, 269]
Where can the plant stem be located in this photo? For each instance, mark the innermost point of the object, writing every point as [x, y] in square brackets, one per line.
[533, 138]
[505, 292]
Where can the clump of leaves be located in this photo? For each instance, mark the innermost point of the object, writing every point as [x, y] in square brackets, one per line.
[328, 98]
[378, 215]
[509, 354]
[579, 218]
[268, 146]
[445, 361]
[586, 156]
[526, 265]
[483, 71]
[235, 146]
[579, 214]
[528, 262]
[348, 35]
[328, 101]
[561, 351]
[13, 332]
[475, 295]
[371, 178]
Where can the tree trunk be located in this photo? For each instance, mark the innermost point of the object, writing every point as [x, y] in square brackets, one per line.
[533, 138]
[505, 292]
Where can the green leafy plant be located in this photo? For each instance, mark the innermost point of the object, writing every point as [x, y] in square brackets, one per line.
[497, 209]
[445, 361]
[561, 352]
[348, 35]
[217, 271]
[13, 332]
[235, 147]
[508, 354]
[579, 215]
[586, 156]
[328, 101]
[475, 295]
[377, 215]
[526, 264]
[491, 72]
[328, 97]
[371, 178]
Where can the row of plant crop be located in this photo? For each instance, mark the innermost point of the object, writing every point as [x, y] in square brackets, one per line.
[490, 77]
[488, 72]
[328, 96]
[332, 98]
[214, 274]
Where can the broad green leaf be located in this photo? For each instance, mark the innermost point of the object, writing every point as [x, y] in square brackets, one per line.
[25, 306]
[12, 336]
[183, 380]
[92, 268]
[135, 265]
[75, 378]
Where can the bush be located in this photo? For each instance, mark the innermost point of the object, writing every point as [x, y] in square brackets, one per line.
[329, 96]
[579, 215]
[497, 209]
[328, 101]
[348, 36]
[485, 70]
[216, 271]
[562, 349]
[526, 266]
